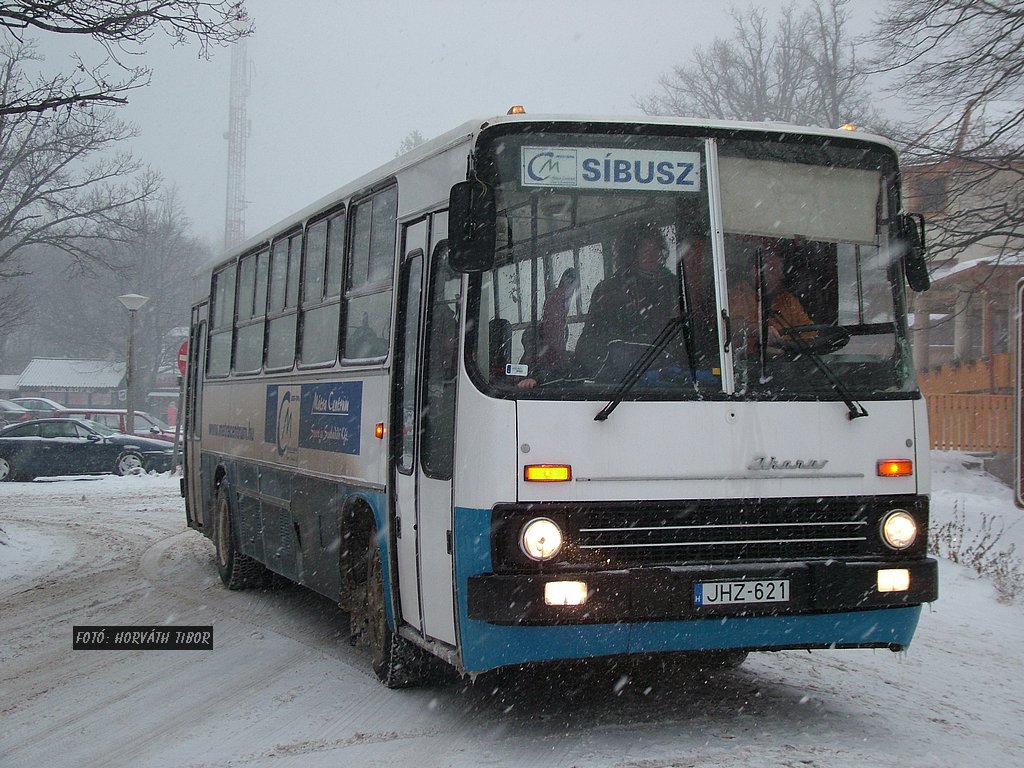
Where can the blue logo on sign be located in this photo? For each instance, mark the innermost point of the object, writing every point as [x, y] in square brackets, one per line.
[542, 166]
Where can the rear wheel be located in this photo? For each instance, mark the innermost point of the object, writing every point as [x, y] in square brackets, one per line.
[129, 462]
[236, 570]
[396, 662]
[6, 470]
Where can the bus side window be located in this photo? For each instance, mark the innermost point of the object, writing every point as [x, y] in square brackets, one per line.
[219, 353]
[284, 300]
[321, 293]
[250, 312]
[371, 257]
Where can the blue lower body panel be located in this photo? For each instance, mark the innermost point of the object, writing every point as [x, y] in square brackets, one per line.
[485, 645]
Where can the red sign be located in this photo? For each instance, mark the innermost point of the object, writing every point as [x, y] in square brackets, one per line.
[183, 357]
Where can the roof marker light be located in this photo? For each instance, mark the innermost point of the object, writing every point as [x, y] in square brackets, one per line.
[516, 109]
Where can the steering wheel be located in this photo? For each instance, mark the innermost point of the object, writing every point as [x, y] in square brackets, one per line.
[823, 339]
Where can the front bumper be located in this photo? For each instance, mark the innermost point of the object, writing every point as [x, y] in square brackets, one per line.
[667, 593]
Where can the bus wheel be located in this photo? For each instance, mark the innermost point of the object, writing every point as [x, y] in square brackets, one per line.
[396, 661]
[236, 570]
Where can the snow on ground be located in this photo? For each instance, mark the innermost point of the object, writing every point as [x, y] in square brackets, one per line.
[977, 495]
[282, 687]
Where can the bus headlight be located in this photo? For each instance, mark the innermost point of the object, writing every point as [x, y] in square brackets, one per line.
[540, 539]
[899, 530]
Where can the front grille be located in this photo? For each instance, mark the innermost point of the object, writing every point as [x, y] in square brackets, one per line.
[750, 531]
[625, 535]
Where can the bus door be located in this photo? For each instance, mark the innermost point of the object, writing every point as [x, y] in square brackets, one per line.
[193, 431]
[424, 397]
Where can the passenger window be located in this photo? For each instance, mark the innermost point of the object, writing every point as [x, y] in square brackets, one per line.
[321, 299]
[284, 299]
[218, 361]
[370, 274]
[252, 308]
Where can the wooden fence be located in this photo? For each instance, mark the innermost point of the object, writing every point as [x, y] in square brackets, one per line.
[970, 422]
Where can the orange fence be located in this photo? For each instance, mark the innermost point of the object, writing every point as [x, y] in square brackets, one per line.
[980, 376]
[970, 422]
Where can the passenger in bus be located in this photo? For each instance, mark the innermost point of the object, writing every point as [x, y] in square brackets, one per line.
[548, 357]
[554, 328]
[363, 341]
[780, 308]
[632, 306]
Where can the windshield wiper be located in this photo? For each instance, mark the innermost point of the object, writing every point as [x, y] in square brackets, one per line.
[639, 368]
[801, 347]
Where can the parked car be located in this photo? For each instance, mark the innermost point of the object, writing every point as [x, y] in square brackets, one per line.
[11, 412]
[61, 446]
[114, 418]
[41, 407]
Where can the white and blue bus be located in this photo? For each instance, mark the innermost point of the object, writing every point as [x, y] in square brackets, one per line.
[440, 397]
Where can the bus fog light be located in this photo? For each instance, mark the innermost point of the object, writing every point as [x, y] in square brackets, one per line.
[893, 580]
[541, 539]
[565, 592]
[899, 530]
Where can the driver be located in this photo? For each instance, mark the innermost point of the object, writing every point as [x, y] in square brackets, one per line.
[635, 303]
[782, 308]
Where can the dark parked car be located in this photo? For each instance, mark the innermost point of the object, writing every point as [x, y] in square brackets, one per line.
[11, 413]
[76, 447]
[41, 407]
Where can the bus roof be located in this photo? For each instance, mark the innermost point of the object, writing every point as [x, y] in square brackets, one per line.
[468, 131]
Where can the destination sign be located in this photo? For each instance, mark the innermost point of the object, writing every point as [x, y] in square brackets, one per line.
[602, 168]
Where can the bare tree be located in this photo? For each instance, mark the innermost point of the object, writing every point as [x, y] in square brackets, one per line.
[61, 185]
[803, 70]
[412, 140]
[157, 261]
[960, 65]
[121, 28]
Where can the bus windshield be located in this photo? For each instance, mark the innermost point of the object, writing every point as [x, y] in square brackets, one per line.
[616, 273]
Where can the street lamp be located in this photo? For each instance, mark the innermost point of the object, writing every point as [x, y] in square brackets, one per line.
[133, 303]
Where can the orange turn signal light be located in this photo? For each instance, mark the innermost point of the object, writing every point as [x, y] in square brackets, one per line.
[547, 473]
[895, 468]
[378, 430]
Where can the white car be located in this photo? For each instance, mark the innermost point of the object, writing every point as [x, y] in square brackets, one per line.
[41, 407]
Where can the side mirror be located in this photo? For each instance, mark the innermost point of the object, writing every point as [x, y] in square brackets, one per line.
[914, 263]
[471, 227]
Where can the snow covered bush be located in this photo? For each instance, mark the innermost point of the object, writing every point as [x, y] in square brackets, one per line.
[979, 550]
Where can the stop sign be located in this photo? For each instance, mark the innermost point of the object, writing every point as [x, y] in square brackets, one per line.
[183, 357]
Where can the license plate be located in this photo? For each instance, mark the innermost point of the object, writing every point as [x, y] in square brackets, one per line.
[737, 592]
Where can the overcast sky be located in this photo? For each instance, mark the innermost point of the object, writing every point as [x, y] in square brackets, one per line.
[336, 86]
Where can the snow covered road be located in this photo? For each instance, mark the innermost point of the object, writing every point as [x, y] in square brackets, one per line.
[282, 686]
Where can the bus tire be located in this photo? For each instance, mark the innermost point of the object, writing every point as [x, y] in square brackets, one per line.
[236, 570]
[396, 662]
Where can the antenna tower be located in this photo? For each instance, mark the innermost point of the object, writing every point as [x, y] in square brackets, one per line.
[237, 134]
